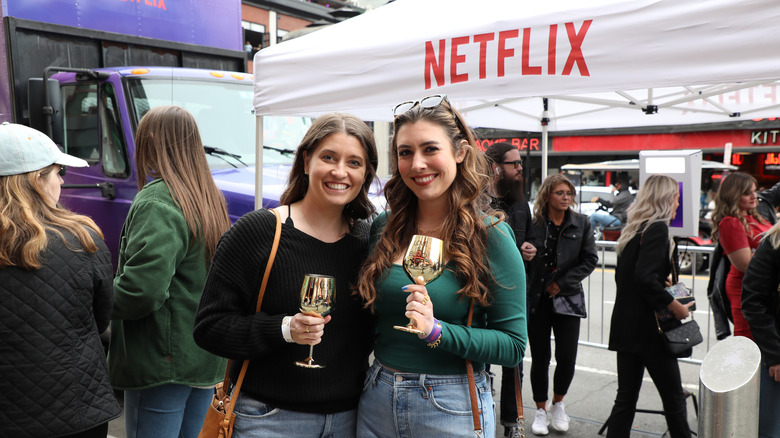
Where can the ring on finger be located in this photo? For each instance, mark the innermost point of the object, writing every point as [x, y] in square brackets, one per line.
[307, 329]
[425, 300]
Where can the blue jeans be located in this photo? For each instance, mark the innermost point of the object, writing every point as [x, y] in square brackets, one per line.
[408, 405]
[600, 220]
[166, 411]
[769, 406]
[257, 419]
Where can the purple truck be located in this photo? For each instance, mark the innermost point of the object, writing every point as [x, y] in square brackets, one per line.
[106, 63]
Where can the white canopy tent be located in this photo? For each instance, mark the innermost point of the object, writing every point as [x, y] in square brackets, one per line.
[498, 59]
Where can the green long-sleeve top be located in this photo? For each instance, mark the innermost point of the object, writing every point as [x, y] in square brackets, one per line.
[157, 288]
[497, 334]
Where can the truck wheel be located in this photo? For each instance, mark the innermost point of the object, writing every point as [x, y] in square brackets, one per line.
[686, 259]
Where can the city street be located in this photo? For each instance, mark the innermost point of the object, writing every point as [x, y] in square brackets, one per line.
[593, 390]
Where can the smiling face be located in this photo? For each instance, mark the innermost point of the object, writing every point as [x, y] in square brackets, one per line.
[426, 160]
[336, 169]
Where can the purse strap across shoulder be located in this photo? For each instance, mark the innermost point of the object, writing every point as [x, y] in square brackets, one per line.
[268, 266]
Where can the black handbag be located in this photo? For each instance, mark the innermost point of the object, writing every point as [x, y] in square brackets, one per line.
[680, 340]
[570, 305]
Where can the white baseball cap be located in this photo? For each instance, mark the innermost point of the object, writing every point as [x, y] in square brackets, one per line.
[23, 150]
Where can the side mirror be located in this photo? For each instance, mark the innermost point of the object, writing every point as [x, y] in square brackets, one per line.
[36, 102]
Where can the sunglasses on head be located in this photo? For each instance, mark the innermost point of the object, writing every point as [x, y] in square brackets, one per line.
[431, 101]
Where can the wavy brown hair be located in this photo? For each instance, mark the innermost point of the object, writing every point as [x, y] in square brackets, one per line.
[727, 201]
[464, 225]
[545, 192]
[26, 215]
[168, 146]
[298, 182]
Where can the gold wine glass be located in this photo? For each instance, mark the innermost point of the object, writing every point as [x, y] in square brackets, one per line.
[318, 295]
[424, 258]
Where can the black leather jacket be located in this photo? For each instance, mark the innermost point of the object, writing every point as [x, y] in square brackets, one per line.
[760, 300]
[577, 257]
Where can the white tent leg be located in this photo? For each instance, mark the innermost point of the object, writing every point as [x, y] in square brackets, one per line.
[259, 162]
[545, 121]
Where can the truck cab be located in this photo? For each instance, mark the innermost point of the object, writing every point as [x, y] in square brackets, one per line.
[95, 117]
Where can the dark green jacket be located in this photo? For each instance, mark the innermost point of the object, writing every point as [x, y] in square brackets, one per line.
[157, 288]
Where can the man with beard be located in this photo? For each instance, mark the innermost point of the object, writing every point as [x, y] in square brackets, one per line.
[506, 191]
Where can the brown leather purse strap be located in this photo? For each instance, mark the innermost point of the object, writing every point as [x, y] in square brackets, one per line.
[268, 265]
[519, 401]
[472, 383]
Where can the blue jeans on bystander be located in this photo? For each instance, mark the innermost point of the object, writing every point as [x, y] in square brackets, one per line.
[166, 411]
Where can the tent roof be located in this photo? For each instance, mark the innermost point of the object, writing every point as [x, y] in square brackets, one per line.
[593, 60]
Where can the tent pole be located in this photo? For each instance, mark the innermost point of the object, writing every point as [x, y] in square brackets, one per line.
[258, 162]
[545, 121]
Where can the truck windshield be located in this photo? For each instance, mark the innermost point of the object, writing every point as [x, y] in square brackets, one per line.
[223, 111]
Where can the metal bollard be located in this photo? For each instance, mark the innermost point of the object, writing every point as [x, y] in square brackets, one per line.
[729, 380]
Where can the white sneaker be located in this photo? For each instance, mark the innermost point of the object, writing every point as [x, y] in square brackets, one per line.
[540, 422]
[560, 421]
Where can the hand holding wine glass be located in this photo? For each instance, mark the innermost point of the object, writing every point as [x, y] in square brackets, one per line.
[318, 294]
[424, 259]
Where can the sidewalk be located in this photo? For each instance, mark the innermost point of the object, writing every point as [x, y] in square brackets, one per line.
[592, 394]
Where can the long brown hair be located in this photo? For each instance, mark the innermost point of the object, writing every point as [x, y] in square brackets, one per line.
[168, 146]
[26, 215]
[298, 182]
[545, 192]
[727, 201]
[464, 226]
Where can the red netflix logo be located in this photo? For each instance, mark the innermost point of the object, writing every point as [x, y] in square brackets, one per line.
[501, 47]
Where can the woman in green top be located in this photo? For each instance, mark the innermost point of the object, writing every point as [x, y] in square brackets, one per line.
[438, 188]
[168, 239]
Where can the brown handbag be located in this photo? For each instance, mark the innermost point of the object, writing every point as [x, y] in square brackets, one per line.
[473, 392]
[220, 416]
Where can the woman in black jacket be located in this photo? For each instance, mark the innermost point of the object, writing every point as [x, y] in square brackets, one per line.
[644, 263]
[566, 255]
[760, 308]
[55, 286]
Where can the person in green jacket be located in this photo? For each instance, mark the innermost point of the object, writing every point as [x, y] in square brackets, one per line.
[438, 188]
[167, 243]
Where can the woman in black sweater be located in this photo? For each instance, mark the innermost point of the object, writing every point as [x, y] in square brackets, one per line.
[323, 232]
[645, 257]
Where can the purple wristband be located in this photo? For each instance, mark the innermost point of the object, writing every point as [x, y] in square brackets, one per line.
[435, 332]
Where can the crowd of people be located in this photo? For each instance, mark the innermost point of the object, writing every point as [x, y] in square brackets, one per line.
[182, 301]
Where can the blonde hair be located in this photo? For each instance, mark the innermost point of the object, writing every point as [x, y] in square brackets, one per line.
[773, 235]
[654, 203]
[26, 215]
[727, 201]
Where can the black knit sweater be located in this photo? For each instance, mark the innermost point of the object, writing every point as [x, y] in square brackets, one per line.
[226, 324]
